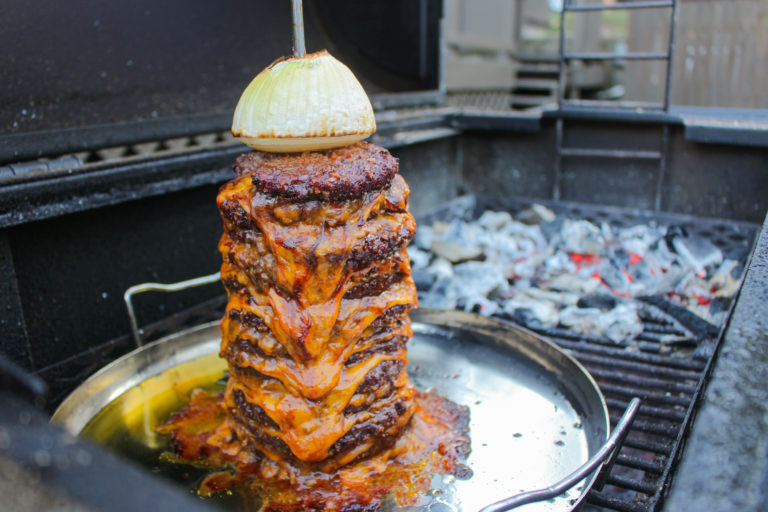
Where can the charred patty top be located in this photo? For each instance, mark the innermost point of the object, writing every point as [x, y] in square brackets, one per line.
[336, 174]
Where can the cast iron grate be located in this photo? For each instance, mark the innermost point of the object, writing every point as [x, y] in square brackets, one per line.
[669, 387]
[115, 155]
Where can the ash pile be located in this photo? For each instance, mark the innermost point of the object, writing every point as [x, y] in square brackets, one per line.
[645, 286]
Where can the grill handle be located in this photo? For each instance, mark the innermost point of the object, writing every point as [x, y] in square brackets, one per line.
[607, 454]
[159, 287]
[14, 377]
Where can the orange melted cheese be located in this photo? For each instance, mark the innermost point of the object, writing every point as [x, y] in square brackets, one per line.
[293, 272]
[435, 442]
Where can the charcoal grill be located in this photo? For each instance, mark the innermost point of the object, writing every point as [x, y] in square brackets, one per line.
[87, 186]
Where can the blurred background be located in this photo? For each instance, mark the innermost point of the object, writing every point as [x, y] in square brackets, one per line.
[87, 63]
[510, 47]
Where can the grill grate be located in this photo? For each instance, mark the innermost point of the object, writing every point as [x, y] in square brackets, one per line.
[636, 481]
[668, 385]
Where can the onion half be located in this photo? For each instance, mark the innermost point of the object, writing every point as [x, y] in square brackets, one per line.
[303, 104]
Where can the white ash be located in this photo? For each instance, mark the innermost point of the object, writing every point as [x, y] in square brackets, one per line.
[538, 271]
[619, 324]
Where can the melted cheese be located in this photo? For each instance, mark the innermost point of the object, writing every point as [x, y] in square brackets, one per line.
[293, 272]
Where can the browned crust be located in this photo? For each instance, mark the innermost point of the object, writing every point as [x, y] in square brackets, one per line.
[381, 427]
[388, 419]
[335, 174]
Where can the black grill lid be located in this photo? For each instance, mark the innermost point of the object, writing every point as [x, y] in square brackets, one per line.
[89, 74]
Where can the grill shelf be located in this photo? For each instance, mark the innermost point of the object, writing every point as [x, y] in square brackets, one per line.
[668, 384]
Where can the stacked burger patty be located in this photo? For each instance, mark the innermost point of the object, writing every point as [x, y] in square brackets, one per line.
[319, 287]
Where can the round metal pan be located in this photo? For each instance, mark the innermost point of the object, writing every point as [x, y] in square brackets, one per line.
[536, 415]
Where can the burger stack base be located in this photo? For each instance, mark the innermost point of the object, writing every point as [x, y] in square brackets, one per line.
[318, 411]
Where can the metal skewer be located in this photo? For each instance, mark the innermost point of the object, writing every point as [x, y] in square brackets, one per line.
[299, 45]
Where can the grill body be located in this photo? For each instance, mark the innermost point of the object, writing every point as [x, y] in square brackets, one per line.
[133, 199]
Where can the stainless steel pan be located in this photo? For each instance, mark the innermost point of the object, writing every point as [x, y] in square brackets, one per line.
[536, 416]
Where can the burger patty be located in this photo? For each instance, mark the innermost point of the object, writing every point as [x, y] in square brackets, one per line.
[379, 431]
[378, 262]
[382, 426]
[318, 280]
[334, 174]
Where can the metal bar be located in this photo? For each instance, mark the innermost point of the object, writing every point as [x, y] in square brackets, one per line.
[159, 287]
[41, 166]
[518, 27]
[640, 367]
[654, 328]
[664, 151]
[649, 446]
[648, 396]
[669, 414]
[645, 346]
[558, 165]
[644, 382]
[642, 346]
[604, 500]
[558, 159]
[17, 147]
[561, 57]
[610, 113]
[657, 428]
[611, 153]
[608, 449]
[299, 45]
[617, 56]
[671, 53]
[632, 484]
[621, 353]
[618, 104]
[638, 463]
[650, 4]
[596, 340]
[29, 198]
[423, 42]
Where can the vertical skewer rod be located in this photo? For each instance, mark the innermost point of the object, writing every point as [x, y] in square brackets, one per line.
[299, 46]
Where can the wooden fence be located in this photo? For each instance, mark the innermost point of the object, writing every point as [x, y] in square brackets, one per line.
[721, 56]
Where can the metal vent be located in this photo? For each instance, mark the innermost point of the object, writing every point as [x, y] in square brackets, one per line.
[116, 155]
